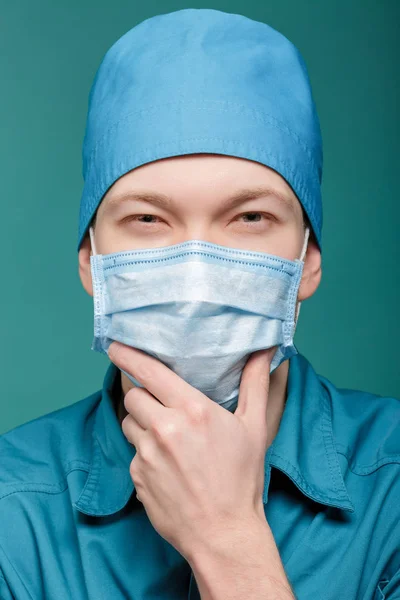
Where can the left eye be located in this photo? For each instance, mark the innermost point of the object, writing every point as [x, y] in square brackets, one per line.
[147, 219]
[258, 217]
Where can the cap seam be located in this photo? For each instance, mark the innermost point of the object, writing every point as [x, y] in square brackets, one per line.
[257, 115]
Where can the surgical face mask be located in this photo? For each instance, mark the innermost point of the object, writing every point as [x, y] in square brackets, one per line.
[200, 308]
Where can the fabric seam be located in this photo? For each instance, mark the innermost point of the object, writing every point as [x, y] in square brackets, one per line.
[257, 115]
[392, 459]
[307, 486]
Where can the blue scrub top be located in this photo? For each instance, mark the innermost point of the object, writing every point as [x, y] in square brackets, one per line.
[72, 528]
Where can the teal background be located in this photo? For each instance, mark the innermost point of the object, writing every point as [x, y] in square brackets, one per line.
[49, 53]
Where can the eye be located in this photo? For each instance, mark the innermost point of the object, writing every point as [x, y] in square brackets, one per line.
[255, 218]
[145, 219]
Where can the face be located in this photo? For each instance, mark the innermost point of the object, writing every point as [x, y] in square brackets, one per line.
[221, 199]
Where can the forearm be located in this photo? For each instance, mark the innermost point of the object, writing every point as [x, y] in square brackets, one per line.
[241, 564]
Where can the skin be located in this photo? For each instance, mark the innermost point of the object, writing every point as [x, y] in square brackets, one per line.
[198, 185]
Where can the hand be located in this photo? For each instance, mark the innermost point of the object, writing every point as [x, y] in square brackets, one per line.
[198, 468]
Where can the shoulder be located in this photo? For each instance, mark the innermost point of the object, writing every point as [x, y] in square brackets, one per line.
[366, 427]
[38, 454]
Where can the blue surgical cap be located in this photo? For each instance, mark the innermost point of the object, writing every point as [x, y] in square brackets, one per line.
[202, 81]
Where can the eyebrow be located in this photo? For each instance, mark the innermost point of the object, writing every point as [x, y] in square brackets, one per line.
[240, 197]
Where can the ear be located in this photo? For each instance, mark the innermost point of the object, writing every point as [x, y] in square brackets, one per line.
[312, 271]
[84, 265]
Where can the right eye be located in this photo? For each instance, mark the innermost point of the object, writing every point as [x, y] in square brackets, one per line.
[138, 218]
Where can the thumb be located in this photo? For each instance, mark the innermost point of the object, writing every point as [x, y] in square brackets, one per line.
[254, 390]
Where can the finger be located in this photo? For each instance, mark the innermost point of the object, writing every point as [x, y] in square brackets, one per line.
[144, 407]
[170, 389]
[132, 430]
[254, 390]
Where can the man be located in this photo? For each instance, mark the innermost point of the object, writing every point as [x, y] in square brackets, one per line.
[200, 235]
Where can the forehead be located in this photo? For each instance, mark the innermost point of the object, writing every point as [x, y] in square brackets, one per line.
[226, 179]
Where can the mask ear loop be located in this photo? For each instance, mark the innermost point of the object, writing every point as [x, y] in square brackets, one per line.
[92, 241]
[304, 250]
[302, 255]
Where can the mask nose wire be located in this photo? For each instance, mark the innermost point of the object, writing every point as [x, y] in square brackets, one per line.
[302, 255]
[92, 241]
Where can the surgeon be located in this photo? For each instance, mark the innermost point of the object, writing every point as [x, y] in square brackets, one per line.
[214, 463]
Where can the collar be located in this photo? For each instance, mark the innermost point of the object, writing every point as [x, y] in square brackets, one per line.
[109, 485]
[303, 448]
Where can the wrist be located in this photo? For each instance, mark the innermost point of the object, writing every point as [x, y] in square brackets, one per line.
[229, 542]
[246, 554]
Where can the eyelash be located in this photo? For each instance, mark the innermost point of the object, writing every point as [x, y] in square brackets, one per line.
[135, 217]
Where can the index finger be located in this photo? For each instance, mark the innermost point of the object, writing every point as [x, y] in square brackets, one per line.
[158, 379]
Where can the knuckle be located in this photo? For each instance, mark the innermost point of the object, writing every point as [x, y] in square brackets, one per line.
[142, 371]
[154, 424]
[146, 452]
[165, 431]
[124, 424]
[198, 414]
[131, 396]
[133, 468]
